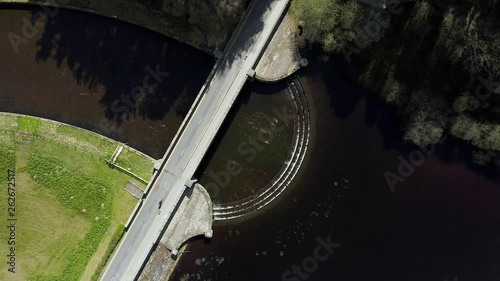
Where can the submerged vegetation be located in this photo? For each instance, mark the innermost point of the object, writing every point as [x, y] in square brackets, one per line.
[436, 62]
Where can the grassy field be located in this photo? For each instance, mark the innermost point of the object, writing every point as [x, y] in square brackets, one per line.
[134, 161]
[70, 205]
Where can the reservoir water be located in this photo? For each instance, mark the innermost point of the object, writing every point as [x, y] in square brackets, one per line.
[441, 223]
[82, 69]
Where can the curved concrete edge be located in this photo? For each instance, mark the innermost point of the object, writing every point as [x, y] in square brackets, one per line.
[200, 188]
[84, 130]
[180, 230]
[246, 208]
[115, 10]
[195, 220]
[282, 57]
[273, 80]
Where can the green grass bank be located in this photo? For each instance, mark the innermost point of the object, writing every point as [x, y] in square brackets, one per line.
[70, 204]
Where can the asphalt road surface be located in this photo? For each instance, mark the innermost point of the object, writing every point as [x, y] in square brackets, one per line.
[203, 122]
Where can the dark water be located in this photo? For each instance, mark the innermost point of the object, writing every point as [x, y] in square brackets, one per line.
[82, 69]
[442, 222]
[253, 115]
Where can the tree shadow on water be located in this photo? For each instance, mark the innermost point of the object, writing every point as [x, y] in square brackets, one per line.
[345, 97]
[127, 61]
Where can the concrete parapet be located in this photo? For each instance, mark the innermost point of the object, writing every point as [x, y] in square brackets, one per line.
[191, 183]
[194, 218]
[151, 182]
[251, 73]
[134, 213]
[157, 165]
[218, 54]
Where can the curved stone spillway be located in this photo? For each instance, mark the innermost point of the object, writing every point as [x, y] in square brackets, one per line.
[302, 127]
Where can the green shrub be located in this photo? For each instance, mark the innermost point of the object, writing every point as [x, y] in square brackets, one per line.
[7, 162]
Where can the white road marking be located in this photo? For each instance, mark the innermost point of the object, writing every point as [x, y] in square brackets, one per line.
[214, 78]
[182, 153]
[200, 120]
[146, 216]
[128, 249]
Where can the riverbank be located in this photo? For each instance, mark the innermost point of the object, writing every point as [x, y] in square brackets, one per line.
[61, 176]
[94, 81]
[207, 29]
[342, 197]
[209, 35]
[435, 63]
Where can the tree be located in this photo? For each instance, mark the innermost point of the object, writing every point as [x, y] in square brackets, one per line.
[477, 52]
[425, 118]
[335, 23]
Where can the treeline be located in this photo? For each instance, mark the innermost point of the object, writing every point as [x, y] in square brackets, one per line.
[437, 62]
[213, 21]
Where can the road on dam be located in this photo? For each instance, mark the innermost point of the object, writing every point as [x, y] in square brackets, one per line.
[195, 136]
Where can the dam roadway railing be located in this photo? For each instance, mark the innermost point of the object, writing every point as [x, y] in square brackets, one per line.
[177, 168]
